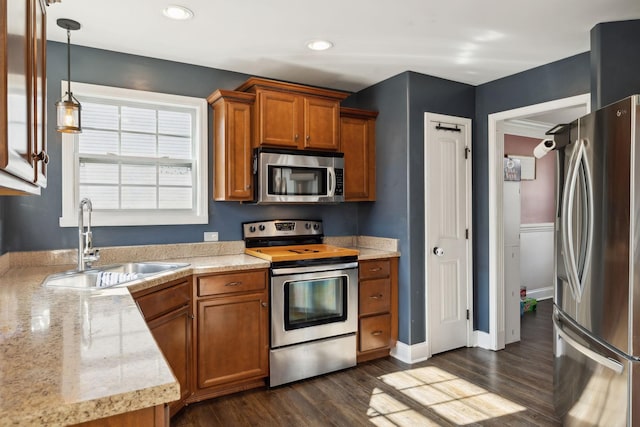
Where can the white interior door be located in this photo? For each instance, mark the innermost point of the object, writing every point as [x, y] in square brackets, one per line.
[448, 218]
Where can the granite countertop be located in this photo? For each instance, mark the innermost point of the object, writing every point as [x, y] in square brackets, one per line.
[69, 356]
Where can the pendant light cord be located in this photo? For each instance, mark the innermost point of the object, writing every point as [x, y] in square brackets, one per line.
[69, 63]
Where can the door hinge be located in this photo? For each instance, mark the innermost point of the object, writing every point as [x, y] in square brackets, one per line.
[467, 150]
[467, 314]
[466, 234]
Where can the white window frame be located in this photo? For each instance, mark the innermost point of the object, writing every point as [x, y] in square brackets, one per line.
[70, 163]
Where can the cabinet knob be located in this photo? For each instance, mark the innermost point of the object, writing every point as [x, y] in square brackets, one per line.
[41, 157]
[308, 137]
[376, 333]
[264, 304]
[296, 137]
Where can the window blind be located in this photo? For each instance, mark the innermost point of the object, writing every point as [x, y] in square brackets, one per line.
[134, 157]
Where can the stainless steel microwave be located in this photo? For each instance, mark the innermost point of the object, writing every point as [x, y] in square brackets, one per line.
[291, 176]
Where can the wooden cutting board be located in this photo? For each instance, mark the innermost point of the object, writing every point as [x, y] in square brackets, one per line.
[300, 252]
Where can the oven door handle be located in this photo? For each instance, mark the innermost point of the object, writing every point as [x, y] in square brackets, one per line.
[313, 268]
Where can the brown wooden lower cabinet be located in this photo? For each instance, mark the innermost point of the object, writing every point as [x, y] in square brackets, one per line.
[377, 308]
[168, 312]
[232, 333]
[154, 416]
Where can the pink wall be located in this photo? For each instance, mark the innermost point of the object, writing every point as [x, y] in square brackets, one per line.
[537, 197]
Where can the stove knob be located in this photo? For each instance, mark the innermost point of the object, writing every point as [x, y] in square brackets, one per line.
[316, 227]
[261, 227]
[307, 226]
[252, 228]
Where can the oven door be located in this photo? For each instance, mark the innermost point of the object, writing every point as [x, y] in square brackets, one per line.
[311, 303]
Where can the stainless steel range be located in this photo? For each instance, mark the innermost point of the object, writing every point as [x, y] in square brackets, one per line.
[314, 298]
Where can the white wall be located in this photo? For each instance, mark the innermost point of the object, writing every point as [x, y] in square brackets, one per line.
[536, 259]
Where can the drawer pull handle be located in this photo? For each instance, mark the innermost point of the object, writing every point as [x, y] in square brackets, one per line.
[377, 296]
[376, 333]
[233, 283]
[375, 269]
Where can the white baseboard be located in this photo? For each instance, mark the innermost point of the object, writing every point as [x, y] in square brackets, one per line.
[410, 353]
[540, 293]
[483, 340]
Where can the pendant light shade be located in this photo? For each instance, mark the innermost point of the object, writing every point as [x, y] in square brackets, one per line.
[68, 108]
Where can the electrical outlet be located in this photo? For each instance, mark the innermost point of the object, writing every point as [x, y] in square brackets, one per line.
[210, 236]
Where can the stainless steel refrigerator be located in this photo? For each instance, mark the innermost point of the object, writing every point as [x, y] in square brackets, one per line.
[597, 291]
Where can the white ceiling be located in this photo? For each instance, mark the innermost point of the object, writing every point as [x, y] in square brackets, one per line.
[469, 41]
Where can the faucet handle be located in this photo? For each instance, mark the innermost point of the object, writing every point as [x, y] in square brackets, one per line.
[91, 257]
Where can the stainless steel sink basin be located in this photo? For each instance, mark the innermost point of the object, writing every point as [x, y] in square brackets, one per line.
[109, 275]
[144, 268]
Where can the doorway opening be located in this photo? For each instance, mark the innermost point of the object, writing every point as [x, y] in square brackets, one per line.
[535, 117]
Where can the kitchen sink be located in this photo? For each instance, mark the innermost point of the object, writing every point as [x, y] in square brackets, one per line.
[109, 275]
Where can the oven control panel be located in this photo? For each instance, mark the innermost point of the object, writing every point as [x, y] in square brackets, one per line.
[282, 228]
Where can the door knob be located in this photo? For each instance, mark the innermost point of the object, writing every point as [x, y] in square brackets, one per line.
[438, 251]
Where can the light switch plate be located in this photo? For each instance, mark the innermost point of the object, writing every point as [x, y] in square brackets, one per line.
[210, 236]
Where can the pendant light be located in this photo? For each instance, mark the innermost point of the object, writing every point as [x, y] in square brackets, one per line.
[68, 108]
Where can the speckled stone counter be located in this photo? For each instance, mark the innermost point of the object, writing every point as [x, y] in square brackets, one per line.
[68, 356]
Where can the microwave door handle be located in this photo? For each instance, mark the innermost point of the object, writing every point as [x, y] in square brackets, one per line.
[568, 195]
[332, 182]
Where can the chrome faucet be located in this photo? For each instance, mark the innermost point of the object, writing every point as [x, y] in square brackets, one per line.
[86, 253]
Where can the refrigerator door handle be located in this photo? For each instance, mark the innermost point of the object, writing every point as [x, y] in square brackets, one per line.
[569, 258]
[584, 161]
[605, 361]
[576, 278]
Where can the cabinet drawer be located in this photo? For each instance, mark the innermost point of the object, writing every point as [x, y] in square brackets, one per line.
[164, 301]
[232, 283]
[375, 332]
[374, 269]
[375, 296]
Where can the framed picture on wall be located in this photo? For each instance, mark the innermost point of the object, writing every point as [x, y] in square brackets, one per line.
[511, 169]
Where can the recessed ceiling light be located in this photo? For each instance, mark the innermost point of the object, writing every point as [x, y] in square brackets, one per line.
[179, 13]
[319, 44]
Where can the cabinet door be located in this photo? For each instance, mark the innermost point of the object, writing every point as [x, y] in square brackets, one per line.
[233, 175]
[358, 144]
[321, 123]
[172, 332]
[232, 339]
[39, 95]
[16, 89]
[278, 119]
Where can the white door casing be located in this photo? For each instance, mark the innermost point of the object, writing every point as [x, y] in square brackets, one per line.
[496, 333]
[448, 271]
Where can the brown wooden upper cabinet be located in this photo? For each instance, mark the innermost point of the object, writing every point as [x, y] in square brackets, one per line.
[358, 142]
[295, 116]
[232, 145]
[23, 35]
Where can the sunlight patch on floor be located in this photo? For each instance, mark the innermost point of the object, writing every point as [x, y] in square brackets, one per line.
[452, 398]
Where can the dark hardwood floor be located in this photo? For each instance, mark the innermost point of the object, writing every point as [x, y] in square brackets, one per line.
[468, 386]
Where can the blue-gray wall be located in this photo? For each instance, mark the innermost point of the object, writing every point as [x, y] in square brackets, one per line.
[399, 210]
[31, 223]
[615, 62]
[557, 80]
